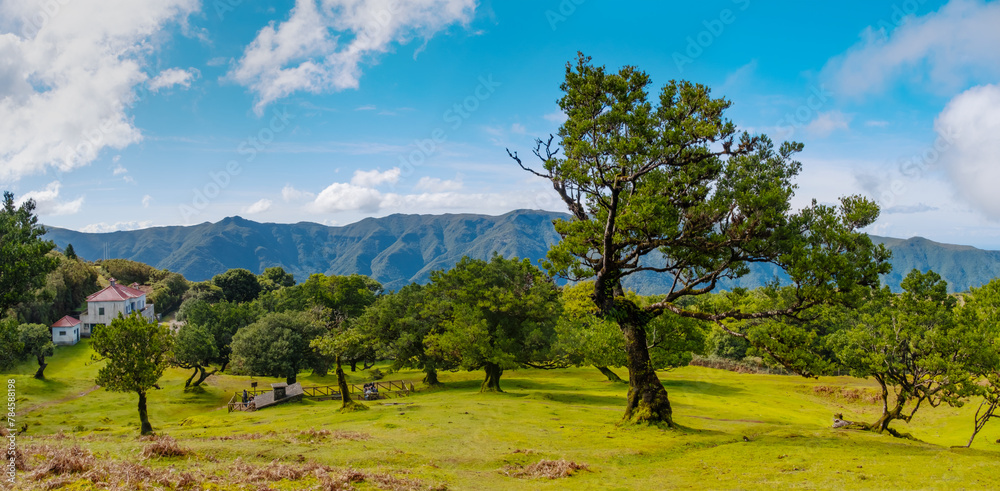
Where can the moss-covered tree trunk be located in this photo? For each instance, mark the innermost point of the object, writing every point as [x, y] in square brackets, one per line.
[492, 382]
[347, 403]
[40, 374]
[431, 377]
[647, 399]
[612, 376]
[145, 428]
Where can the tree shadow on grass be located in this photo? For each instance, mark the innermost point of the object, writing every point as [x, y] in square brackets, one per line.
[701, 387]
[577, 399]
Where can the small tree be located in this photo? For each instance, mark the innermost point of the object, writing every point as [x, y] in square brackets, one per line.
[912, 346]
[69, 252]
[238, 285]
[278, 345]
[195, 349]
[339, 339]
[37, 341]
[137, 352]
[497, 315]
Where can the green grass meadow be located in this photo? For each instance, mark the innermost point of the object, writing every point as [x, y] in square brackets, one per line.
[456, 438]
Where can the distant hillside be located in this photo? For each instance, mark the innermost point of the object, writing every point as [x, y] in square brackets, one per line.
[400, 249]
[396, 250]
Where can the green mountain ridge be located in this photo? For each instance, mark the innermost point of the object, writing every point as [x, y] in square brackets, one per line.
[400, 249]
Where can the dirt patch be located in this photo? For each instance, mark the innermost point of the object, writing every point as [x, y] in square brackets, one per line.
[546, 469]
[852, 395]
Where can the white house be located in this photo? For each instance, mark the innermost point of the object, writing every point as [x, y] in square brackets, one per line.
[105, 305]
[66, 331]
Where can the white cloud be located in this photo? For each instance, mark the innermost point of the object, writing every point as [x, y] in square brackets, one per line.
[173, 76]
[323, 43]
[119, 170]
[557, 117]
[828, 122]
[341, 196]
[103, 228]
[258, 207]
[68, 80]
[47, 201]
[877, 124]
[374, 178]
[518, 129]
[289, 193]
[367, 107]
[969, 146]
[436, 185]
[946, 49]
[146, 200]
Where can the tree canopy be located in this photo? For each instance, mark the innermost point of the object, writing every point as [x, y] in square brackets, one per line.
[238, 285]
[674, 189]
[496, 315]
[24, 259]
[278, 345]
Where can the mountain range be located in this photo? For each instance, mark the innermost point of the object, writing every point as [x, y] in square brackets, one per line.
[400, 249]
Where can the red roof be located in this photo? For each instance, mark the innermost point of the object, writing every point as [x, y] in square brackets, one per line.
[115, 293]
[66, 321]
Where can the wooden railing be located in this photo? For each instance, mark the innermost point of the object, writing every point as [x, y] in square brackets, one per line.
[236, 404]
[392, 388]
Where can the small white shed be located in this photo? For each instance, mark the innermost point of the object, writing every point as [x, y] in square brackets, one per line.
[66, 331]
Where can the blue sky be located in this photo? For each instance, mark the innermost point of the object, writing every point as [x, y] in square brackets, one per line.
[122, 114]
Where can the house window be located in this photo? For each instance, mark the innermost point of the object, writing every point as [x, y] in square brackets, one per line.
[62, 333]
[100, 311]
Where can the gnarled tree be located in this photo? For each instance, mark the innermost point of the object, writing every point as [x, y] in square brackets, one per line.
[980, 315]
[673, 189]
[195, 349]
[913, 347]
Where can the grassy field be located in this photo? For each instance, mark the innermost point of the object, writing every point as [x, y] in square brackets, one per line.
[456, 438]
